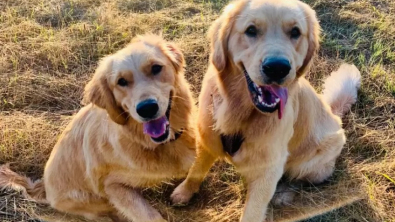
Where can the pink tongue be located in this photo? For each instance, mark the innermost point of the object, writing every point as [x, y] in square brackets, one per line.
[156, 128]
[281, 93]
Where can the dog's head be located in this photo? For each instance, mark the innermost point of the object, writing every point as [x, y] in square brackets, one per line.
[138, 82]
[272, 43]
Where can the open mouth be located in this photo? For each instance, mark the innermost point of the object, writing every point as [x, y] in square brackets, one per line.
[159, 129]
[268, 98]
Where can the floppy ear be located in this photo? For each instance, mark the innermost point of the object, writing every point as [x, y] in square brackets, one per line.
[175, 55]
[98, 92]
[219, 34]
[314, 30]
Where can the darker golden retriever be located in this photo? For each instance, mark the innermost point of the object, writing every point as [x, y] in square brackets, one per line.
[137, 132]
[258, 111]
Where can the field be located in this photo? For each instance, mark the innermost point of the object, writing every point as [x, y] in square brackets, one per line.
[49, 50]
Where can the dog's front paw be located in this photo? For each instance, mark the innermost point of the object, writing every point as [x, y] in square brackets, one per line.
[283, 199]
[284, 196]
[182, 194]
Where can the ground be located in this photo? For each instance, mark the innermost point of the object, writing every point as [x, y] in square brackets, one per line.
[49, 50]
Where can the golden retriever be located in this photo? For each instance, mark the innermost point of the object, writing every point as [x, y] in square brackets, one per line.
[137, 131]
[257, 110]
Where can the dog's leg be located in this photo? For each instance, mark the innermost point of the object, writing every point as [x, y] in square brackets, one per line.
[321, 165]
[286, 191]
[260, 190]
[131, 204]
[184, 192]
[117, 217]
[92, 207]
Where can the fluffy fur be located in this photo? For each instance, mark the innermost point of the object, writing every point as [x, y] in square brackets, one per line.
[339, 88]
[103, 158]
[306, 141]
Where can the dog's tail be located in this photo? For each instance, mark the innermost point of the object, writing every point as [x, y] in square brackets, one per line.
[341, 88]
[34, 190]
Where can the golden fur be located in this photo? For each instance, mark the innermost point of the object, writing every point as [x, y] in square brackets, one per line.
[103, 158]
[305, 143]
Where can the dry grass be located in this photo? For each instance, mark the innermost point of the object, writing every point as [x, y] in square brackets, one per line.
[48, 50]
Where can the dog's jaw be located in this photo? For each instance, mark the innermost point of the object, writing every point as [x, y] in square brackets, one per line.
[269, 98]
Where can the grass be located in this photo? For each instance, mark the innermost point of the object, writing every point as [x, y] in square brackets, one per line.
[49, 50]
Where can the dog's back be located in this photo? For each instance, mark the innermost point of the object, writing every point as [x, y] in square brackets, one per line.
[76, 152]
[318, 127]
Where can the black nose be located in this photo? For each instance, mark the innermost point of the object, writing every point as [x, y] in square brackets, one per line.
[276, 69]
[147, 109]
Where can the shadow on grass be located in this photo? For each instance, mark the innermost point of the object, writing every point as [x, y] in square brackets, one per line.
[138, 6]
[347, 37]
[63, 15]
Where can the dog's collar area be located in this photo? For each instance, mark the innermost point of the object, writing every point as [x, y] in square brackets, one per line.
[232, 143]
[177, 135]
[169, 106]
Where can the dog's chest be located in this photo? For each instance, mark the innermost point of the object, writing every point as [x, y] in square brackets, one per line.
[232, 143]
[165, 161]
[251, 135]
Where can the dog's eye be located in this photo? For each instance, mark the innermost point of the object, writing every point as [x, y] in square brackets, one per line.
[156, 69]
[295, 33]
[122, 82]
[251, 31]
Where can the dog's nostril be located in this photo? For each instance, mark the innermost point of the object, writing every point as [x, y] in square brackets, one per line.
[276, 68]
[147, 109]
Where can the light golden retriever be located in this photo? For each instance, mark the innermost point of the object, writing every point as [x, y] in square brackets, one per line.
[137, 131]
[257, 110]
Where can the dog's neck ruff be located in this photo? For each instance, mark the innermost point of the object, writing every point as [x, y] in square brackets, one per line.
[230, 143]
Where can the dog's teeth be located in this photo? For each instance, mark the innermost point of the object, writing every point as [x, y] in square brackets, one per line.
[257, 89]
[260, 90]
[269, 105]
[277, 100]
[260, 99]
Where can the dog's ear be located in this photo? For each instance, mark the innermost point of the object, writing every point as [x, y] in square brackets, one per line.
[219, 34]
[175, 55]
[314, 31]
[98, 92]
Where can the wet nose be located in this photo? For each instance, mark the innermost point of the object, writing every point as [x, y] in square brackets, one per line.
[276, 69]
[147, 109]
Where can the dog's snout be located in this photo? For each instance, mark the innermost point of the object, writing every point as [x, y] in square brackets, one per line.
[147, 109]
[276, 69]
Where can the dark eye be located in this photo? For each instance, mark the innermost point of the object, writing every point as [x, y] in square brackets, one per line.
[122, 82]
[156, 69]
[251, 31]
[295, 33]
